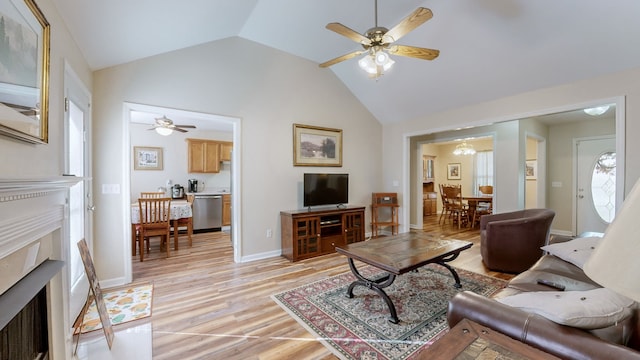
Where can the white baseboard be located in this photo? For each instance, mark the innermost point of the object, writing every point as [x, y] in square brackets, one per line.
[109, 283]
[261, 256]
[561, 232]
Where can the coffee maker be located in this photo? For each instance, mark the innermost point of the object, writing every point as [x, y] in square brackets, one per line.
[193, 185]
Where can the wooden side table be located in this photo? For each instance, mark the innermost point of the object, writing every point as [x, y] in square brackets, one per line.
[380, 201]
[469, 340]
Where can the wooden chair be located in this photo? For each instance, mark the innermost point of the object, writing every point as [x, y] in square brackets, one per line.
[183, 222]
[446, 212]
[151, 195]
[486, 189]
[457, 209]
[483, 208]
[155, 220]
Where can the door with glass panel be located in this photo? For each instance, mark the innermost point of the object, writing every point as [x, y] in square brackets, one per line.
[596, 184]
[77, 156]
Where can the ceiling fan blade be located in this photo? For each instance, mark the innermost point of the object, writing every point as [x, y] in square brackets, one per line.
[351, 34]
[178, 129]
[417, 18]
[341, 58]
[414, 52]
[185, 126]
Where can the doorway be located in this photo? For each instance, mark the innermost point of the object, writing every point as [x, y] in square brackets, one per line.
[184, 117]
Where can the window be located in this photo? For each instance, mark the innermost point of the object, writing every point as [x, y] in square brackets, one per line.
[483, 170]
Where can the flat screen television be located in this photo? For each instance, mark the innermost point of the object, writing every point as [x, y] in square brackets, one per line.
[326, 189]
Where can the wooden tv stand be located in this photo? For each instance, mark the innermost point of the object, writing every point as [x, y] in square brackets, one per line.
[309, 233]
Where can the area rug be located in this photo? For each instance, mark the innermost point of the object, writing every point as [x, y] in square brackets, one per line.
[359, 328]
[123, 305]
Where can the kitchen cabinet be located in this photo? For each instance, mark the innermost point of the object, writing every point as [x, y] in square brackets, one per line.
[226, 210]
[205, 155]
[309, 233]
[225, 150]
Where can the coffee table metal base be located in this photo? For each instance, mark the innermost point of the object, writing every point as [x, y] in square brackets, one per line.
[379, 284]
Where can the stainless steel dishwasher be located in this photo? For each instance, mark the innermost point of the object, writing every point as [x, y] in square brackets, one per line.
[207, 212]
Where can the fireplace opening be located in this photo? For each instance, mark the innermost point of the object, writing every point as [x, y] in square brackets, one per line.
[24, 328]
[26, 337]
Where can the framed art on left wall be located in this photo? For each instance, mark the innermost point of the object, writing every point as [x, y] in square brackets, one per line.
[24, 81]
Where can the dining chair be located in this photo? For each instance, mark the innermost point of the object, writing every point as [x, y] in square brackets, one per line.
[152, 195]
[184, 222]
[445, 208]
[483, 208]
[457, 208]
[155, 220]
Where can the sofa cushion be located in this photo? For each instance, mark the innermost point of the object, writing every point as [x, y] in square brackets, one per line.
[590, 309]
[575, 251]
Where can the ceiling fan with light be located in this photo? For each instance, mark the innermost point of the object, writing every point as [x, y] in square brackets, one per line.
[378, 43]
[164, 126]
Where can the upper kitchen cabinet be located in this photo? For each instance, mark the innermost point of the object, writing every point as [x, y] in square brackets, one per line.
[204, 156]
[225, 150]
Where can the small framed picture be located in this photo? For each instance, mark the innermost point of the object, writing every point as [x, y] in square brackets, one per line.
[147, 158]
[531, 169]
[316, 146]
[453, 171]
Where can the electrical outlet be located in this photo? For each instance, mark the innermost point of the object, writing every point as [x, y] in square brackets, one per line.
[269, 233]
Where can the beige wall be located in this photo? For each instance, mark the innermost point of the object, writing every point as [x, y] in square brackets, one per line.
[269, 91]
[550, 100]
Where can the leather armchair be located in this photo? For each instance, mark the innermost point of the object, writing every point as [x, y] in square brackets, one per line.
[510, 242]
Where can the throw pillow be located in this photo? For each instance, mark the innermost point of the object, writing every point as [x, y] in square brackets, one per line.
[590, 309]
[575, 251]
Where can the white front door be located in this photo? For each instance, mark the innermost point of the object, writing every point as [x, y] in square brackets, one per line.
[596, 184]
[77, 162]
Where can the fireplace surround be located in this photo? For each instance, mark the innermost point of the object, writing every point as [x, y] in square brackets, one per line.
[33, 248]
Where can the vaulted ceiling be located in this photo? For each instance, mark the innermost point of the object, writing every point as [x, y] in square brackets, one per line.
[488, 48]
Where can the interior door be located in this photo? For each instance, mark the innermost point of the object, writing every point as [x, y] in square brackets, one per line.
[596, 184]
[77, 156]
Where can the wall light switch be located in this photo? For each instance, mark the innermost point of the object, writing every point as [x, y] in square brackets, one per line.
[556, 184]
[111, 188]
[396, 183]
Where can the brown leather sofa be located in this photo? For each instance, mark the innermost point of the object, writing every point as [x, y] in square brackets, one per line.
[618, 341]
[510, 242]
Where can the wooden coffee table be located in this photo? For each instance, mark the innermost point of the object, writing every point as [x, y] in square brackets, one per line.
[398, 255]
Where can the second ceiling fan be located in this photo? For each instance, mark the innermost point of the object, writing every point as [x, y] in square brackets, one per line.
[379, 41]
[165, 126]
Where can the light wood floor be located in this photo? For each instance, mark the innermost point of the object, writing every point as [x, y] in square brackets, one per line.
[208, 307]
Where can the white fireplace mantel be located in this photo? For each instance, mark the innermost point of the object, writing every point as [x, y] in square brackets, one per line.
[33, 229]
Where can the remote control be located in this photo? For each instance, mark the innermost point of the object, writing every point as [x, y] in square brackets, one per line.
[551, 284]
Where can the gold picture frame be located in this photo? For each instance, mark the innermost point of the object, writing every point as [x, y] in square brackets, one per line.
[316, 146]
[147, 158]
[454, 171]
[24, 88]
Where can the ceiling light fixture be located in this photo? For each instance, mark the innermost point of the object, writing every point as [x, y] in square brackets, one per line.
[598, 110]
[464, 149]
[164, 131]
[376, 62]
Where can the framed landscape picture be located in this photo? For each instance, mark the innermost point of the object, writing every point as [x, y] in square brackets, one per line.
[147, 158]
[24, 78]
[316, 146]
[453, 171]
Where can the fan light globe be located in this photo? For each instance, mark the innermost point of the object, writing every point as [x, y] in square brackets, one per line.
[164, 131]
[595, 111]
[368, 64]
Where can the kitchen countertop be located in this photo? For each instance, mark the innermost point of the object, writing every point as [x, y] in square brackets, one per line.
[211, 192]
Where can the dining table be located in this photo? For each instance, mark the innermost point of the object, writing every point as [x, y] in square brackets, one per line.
[179, 209]
[473, 202]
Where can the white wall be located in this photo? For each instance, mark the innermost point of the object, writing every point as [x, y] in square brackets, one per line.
[550, 100]
[269, 91]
